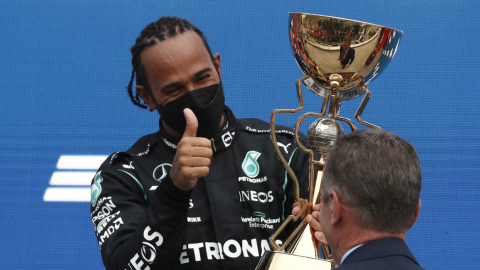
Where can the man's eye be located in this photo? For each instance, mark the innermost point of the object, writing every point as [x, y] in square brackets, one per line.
[171, 91]
[204, 77]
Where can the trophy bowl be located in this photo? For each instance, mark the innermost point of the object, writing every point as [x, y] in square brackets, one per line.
[347, 53]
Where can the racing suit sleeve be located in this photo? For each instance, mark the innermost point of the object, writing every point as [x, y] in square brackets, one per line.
[133, 234]
[299, 162]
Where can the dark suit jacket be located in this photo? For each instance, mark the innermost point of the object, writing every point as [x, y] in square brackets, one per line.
[348, 58]
[385, 253]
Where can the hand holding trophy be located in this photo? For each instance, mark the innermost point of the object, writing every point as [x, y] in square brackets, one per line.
[339, 58]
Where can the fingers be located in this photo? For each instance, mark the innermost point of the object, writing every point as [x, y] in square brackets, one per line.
[189, 161]
[192, 124]
[189, 176]
[195, 147]
[313, 220]
[320, 237]
[296, 208]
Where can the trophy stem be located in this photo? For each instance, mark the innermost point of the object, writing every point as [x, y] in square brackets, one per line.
[305, 243]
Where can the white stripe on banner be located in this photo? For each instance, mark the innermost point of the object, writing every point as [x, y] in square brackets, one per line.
[80, 162]
[71, 178]
[54, 194]
[61, 182]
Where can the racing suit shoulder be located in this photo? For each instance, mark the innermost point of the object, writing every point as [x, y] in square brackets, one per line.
[140, 148]
[143, 146]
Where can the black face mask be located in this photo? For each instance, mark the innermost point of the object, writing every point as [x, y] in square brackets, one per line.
[206, 103]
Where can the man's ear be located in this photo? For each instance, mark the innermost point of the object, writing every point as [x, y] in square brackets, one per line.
[216, 58]
[146, 97]
[336, 207]
[417, 213]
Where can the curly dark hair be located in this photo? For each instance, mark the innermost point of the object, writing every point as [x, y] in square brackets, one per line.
[163, 29]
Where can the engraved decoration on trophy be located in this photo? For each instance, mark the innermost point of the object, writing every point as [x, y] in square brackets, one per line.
[339, 58]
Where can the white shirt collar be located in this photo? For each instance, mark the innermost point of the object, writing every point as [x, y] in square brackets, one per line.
[348, 253]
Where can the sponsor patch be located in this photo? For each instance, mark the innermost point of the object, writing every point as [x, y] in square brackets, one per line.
[230, 249]
[104, 209]
[161, 171]
[268, 130]
[227, 139]
[148, 252]
[285, 147]
[109, 231]
[96, 188]
[250, 165]
[194, 219]
[255, 196]
[252, 180]
[258, 220]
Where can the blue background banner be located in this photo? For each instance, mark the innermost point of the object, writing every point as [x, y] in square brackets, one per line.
[65, 65]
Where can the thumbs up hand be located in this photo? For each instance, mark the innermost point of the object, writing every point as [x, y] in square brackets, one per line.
[193, 156]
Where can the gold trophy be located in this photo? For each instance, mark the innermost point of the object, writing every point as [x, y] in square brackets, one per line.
[339, 58]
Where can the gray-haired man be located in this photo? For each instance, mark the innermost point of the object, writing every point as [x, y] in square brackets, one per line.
[370, 198]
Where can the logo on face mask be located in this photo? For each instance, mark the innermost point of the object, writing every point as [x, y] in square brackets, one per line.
[250, 165]
[96, 188]
[161, 172]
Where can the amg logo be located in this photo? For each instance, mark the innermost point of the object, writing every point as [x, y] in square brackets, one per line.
[194, 219]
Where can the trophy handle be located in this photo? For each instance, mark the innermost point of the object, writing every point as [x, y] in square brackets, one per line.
[362, 106]
[311, 197]
[303, 202]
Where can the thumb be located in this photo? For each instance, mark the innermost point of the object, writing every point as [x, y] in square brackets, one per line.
[192, 123]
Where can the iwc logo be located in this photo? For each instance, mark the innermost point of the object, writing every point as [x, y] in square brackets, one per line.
[161, 171]
[250, 165]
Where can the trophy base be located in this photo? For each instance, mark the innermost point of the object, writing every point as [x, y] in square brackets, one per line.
[274, 260]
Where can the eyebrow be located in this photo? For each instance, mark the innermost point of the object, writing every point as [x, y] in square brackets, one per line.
[178, 84]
